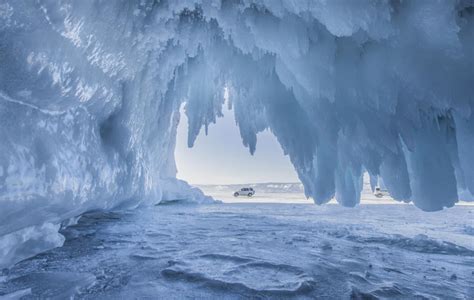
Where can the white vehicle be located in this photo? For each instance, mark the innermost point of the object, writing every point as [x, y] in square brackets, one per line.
[249, 192]
[379, 193]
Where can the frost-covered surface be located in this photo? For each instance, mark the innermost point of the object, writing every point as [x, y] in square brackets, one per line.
[90, 94]
[241, 251]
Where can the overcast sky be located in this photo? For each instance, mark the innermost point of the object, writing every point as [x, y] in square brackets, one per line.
[221, 158]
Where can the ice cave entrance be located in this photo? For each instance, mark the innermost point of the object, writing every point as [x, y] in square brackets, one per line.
[218, 163]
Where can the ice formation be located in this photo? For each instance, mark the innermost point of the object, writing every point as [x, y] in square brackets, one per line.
[90, 94]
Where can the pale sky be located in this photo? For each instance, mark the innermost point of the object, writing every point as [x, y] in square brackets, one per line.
[221, 158]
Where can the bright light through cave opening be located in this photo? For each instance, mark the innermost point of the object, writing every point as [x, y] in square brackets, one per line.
[220, 157]
[219, 162]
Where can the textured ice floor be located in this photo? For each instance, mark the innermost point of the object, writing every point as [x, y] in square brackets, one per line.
[229, 251]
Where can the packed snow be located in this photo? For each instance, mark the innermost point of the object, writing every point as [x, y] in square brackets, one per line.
[90, 93]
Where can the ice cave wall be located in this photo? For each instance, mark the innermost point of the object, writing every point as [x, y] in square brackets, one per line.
[90, 94]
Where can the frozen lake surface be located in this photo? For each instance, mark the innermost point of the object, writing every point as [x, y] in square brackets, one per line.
[247, 250]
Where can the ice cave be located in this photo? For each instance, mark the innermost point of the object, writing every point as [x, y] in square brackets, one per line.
[91, 91]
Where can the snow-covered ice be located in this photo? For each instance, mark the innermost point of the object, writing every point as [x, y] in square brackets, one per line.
[235, 251]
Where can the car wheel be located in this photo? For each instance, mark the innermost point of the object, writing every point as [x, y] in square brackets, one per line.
[250, 195]
[236, 194]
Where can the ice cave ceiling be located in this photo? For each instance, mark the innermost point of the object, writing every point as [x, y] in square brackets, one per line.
[90, 94]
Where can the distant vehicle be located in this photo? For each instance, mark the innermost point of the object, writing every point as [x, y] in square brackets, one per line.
[379, 193]
[249, 192]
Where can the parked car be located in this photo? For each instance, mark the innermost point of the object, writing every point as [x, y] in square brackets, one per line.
[380, 193]
[249, 192]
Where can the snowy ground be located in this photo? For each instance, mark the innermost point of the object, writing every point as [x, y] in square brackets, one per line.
[248, 250]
